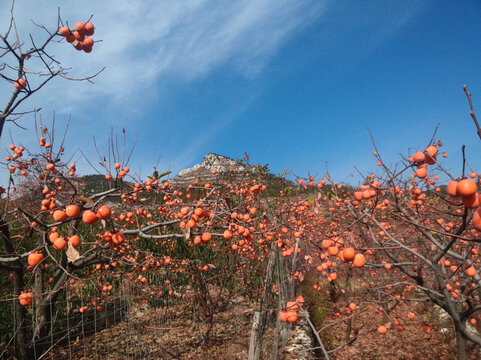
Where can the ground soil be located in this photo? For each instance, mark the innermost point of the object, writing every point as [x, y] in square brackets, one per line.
[172, 333]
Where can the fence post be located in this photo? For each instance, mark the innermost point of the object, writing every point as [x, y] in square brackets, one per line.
[281, 327]
[260, 317]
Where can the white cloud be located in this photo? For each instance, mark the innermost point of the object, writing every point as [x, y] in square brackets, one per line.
[144, 41]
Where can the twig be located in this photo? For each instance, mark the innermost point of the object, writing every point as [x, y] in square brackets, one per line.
[473, 115]
[324, 351]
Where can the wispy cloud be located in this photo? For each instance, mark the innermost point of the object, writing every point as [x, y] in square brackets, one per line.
[143, 42]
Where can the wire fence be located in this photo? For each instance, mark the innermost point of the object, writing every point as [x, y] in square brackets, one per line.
[78, 319]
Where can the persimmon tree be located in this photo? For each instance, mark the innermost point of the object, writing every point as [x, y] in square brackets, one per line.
[28, 65]
[405, 236]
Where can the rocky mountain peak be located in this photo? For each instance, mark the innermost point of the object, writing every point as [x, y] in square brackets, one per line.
[222, 164]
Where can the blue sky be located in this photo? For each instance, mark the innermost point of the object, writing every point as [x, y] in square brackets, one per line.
[292, 83]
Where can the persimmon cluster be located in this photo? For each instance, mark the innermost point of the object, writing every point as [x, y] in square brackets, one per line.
[80, 37]
[423, 159]
[17, 154]
[468, 191]
[291, 312]
[367, 191]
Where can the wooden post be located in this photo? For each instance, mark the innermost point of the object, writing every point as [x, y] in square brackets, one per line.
[260, 317]
[282, 328]
[254, 350]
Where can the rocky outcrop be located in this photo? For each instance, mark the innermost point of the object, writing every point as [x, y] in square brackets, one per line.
[223, 165]
[301, 342]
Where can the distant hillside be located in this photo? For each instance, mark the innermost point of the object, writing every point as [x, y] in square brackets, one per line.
[226, 168]
[95, 183]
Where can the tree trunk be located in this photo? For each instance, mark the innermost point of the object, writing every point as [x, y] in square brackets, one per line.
[20, 319]
[348, 330]
[332, 292]
[38, 295]
[43, 310]
[460, 344]
[347, 291]
[18, 287]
